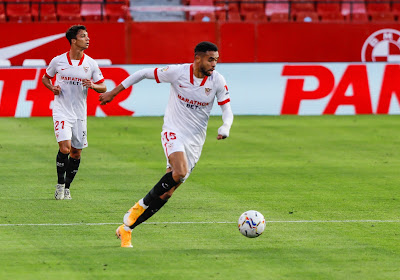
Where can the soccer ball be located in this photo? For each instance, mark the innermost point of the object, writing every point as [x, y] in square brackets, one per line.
[251, 223]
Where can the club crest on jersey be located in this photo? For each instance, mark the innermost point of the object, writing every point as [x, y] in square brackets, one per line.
[208, 91]
[86, 69]
[164, 69]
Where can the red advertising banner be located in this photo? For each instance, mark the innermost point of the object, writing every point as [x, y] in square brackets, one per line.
[256, 89]
[173, 42]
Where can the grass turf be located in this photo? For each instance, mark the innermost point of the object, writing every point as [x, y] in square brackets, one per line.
[292, 169]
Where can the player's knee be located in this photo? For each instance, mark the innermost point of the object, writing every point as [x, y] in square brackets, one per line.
[65, 150]
[179, 174]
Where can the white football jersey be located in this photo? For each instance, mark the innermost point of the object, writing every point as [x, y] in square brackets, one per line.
[71, 102]
[191, 100]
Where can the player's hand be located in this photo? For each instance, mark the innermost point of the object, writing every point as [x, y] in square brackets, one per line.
[87, 83]
[106, 97]
[56, 90]
[223, 132]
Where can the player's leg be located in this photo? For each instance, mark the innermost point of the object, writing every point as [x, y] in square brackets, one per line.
[63, 133]
[78, 142]
[72, 168]
[178, 169]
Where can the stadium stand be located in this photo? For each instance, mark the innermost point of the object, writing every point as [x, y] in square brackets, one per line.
[186, 10]
[253, 10]
[2, 12]
[157, 15]
[69, 10]
[277, 11]
[44, 10]
[118, 10]
[18, 11]
[92, 10]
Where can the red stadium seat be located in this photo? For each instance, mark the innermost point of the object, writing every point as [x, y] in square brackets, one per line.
[332, 17]
[69, 11]
[92, 10]
[44, 11]
[277, 11]
[234, 16]
[302, 6]
[18, 12]
[117, 10]
[382, 16]
[278, 17]
[252, 7]
[355, 11]
[255, 17]
[2, 13]
[204, 17]
[306, 17]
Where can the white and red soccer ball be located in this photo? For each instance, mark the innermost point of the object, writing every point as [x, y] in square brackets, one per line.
[251, 223]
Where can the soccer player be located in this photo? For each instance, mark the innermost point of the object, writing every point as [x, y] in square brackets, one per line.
[75, 73]
[193, 90]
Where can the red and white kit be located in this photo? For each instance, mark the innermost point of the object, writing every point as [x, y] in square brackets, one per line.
[189, 106]
[69, 108]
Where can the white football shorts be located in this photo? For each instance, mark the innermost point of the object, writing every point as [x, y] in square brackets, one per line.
[76, 131]
[173, 142]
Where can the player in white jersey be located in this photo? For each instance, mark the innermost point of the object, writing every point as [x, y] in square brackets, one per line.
[194, 87]
[75, 73]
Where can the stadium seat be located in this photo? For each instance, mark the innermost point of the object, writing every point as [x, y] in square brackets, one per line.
[44, 11]
[328, 7]
[232, 6]
[254, 17]
[332, 17]
[2, 13]
[355, 11]
[92, 10]
[234, 16]
[252, 10]
[277, 11]
[18, 11]
[117, 10]
[69, 11]
[279, 17]
[204, 17]
[382, 16]
[299, 6]
[306, 17]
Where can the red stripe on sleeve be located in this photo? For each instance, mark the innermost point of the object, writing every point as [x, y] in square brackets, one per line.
[99, 82]
[48, 76]
[224, 102]
[156, 76]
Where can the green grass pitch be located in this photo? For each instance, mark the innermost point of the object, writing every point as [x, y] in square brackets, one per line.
[329, 187]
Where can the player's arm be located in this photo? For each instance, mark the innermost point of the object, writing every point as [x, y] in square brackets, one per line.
[147, 73]
[227, 118]
[47, 83]
[97, 87]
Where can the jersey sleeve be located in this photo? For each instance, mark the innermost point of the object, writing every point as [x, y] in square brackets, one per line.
[51, 70]
[97, 76]
[222, 91]
[167, 74]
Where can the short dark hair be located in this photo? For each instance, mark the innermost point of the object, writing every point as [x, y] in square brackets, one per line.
[73, 31]
[204, 47]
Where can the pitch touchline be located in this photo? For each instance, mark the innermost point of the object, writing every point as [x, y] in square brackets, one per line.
[158, 223]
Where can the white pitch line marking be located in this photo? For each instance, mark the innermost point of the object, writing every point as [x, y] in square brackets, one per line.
[158, 223]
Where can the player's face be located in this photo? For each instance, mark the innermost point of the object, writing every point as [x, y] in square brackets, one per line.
[82, 39]
[208, 62]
